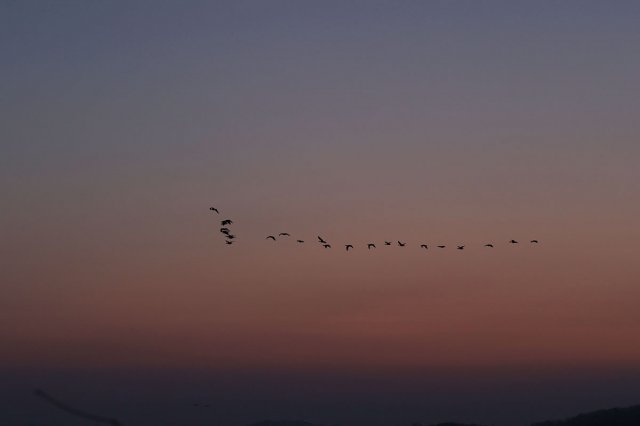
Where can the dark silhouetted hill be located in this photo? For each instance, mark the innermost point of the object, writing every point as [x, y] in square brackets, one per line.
[282, 423]
[456, 424]
[303, 423]
[628, 416]
[447, 424]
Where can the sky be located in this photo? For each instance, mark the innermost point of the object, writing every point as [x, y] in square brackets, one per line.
[437, 122]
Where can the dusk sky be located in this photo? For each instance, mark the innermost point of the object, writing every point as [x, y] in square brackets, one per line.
[437, 122]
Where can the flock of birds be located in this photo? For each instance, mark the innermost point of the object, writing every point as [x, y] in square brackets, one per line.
[229, 238]
[225, 228]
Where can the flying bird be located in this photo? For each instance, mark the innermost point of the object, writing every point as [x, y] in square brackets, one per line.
[284, 234]
[326, 245]
[513, 242]
[231, 237]
[387, 243]
[489, 245]
[213, 209]
[370, 246]
[348, 246]
[225, 230]
[226, 222]
[321, 240]
[460, 247]
[272, 237]
[535, 241]
[424, 246]
[441, 246]
[228, 242]
[300, 241]
[401, 244]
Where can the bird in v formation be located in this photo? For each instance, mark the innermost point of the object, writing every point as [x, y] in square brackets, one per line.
[370, 246]
[230, 237]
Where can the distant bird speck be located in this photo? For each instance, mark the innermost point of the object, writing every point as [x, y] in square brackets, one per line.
[348, 246]
[326, 245]
[401, 244]
[213, 209]
[226, 222]
[370, 246]
[284, 234]
[460, 247]
[441, 246]
[300, 241]
[535, 241]
[424, 246]
[387, 243]
[513, 242]
[271, 237]
[321, 240]
[489, 245]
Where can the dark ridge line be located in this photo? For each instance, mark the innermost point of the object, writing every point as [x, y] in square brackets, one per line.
[74, 411]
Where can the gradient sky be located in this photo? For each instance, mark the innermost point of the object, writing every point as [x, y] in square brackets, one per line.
[453, 122]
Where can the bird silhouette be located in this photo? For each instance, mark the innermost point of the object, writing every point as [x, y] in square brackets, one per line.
[370, 246]
[489, 245]
[321, 240]
[387, 243]
[326, 245]
[225, 230]
[284, 234]
[228, 242]
[213, 209]
[535, 241]
[424, 246]
[460, 247]
[348, 246]
[513, 242]
[226, 222]
[401, 244]
[441, 246]
[231, 237]
[300, 241]
[271, 237]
